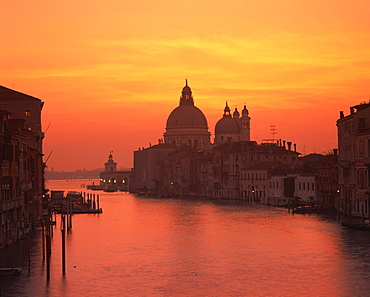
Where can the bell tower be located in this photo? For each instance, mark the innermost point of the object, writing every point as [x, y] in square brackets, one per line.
[245, 125]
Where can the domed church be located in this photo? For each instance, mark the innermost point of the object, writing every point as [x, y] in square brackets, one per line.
[233, 128]
[187, 125]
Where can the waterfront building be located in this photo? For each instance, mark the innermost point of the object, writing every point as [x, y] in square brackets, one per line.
[325, 167]
[181, 173]
[305, 187]
[361, 207]
[148, 166]
[353, 161]
[254, 180]
[297, 188]
[22, 169]
[112, 179]
[230, 157]
[280, 190]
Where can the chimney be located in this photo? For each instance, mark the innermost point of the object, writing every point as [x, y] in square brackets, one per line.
[295, 147]
[335, 151]
[289, 145]
[284, 143]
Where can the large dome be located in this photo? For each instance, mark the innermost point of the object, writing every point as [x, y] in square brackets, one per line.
[186, 116]
[186, 124]
[227, 125]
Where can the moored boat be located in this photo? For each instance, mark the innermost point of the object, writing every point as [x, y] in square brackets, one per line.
[360, 226]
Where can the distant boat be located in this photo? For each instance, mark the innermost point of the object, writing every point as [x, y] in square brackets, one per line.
[110, 188]
[94, 187]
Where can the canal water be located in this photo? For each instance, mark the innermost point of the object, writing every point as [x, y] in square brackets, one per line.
[143, 246]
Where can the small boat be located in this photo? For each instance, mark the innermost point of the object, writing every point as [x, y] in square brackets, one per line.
[94, 187]
[358, 226]
[90, 210]
[306, 209]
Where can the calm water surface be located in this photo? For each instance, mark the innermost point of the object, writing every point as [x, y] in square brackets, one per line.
[176, 247]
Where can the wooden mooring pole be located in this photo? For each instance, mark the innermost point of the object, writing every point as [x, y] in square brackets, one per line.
[63, 229]
[43, 241]
[48, 256]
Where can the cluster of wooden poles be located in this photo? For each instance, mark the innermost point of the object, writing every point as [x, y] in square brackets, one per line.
[65, 225]
[47, 234]
[92, 199]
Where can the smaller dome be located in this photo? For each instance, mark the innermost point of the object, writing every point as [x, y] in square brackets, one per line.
[245, 112]
[227, 125]
[236, 114]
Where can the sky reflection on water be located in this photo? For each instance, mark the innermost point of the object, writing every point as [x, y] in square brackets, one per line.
[177, 247]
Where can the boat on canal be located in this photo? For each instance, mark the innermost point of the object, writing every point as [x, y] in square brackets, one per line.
[307, 209]
[359, 226]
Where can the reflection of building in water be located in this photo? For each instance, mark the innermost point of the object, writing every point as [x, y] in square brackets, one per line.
[112, 180]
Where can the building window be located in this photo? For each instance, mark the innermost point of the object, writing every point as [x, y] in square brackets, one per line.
[361, 123]
[27, 113]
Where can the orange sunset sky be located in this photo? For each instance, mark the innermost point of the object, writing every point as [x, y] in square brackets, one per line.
[110, 72]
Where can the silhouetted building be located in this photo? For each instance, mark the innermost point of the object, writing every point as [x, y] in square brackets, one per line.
[187, 125]
[354, 161]
[233, 128]
[148, 166]
[291, 188]
[112, 180]
[230, 157]
[255, 180]
[186, 164]
[22, 168]
[325, 168]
